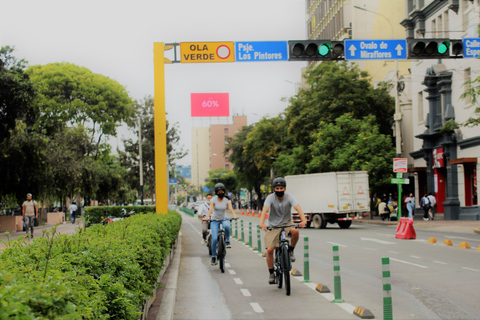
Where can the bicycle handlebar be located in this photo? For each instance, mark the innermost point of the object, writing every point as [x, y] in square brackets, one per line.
[283, 227]
[210, 219]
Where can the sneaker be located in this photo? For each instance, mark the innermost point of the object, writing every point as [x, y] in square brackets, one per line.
[292, 256]
[426, 219]
[214, 261]
[203, 242]
[229, 245]
[271, 278]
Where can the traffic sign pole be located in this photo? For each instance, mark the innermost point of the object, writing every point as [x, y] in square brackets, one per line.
[160, 128]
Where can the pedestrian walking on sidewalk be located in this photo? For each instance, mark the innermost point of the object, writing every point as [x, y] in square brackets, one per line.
[73, 211]
[433, 205]
[410, 203]
[202, 213]
[425, 204]
[29, 214]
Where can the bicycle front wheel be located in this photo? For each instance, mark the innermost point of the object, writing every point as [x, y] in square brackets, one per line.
[286, 269]
[221, 253]
[278, 272]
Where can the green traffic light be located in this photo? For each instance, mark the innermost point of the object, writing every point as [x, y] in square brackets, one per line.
[443, 47]
[324, 49]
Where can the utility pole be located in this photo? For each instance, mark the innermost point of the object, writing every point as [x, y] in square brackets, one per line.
[141, 158]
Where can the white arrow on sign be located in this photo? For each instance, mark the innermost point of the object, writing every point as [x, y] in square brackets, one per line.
[377, 240]
[399, 49]
[352, 50]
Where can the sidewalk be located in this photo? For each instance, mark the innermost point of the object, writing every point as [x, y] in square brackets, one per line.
[65, 228]
[438, 224]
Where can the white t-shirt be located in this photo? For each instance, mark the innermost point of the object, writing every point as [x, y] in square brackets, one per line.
[29, 207]
[203, 210]
[432, 200]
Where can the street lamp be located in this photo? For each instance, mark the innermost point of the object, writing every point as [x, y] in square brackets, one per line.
[398, 116]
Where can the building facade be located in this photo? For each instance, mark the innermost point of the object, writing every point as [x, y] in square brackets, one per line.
[440, 161]
[208, 145]
[445, 158]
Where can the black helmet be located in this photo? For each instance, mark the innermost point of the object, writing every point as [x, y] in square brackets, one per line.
[219, 186]
[279, 182]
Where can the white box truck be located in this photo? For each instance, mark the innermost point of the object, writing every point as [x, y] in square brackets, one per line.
[333, 197]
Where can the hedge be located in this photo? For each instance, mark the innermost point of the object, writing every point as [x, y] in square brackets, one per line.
[95, 215]
[103, 272]
[188, 211]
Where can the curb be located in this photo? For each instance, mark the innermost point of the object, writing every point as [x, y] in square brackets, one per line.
[167, 307]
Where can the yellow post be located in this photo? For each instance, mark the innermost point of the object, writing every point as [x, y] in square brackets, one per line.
[160, 129]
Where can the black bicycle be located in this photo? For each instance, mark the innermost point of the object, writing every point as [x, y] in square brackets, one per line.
[221, 244]
[282, 263]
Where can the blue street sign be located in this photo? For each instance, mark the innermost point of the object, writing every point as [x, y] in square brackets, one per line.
[261, 51]
[375, 49]
[471, 47]
[172, 181]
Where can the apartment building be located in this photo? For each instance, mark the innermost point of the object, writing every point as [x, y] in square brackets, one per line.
[208, 145]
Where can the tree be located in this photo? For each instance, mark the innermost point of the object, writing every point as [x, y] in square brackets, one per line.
[130, 158]
[336, 89]
[16, 93]
[225, 176]
[69, 94]
[472, 93]
[246, 171]
[352, 144]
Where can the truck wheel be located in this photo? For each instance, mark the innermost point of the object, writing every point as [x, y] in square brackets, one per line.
[344, 224]
[319, 222]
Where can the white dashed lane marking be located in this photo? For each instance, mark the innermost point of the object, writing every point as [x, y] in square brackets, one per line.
[471, 269]
[409, 263]
[232, 271]
[238, 280]
[440, 262]
[256, 307]
[246, 293]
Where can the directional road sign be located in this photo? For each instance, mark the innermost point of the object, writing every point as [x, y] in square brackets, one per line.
[471, 47]
[400, 181]
[201, 52]
[375, 49]
[172, 181]
[261, 51]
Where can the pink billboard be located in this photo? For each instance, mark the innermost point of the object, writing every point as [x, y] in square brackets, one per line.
[210, 105]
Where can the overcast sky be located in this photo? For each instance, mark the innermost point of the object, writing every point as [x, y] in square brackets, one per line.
[115, 39]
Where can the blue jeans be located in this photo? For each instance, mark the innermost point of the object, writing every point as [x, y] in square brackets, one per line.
[410, 210]
[214, 225]
[73, 215]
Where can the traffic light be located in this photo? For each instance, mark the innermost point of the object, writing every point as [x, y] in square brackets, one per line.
[315, 50]
[434, 49]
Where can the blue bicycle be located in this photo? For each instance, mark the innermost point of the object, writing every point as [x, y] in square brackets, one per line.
[221, 244]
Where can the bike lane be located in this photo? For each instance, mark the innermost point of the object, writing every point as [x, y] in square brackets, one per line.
[242, 292]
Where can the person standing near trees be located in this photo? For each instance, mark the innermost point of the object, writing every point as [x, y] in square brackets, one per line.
[73, 211]
[29, 214]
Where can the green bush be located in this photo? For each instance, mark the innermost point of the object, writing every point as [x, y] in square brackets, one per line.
[95, 215]
[103, 272]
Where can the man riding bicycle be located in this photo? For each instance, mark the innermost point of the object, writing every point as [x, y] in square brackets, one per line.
[202, 213]
[278, 205]
[218, 208]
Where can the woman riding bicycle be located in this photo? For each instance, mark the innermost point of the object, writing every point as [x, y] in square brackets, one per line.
[278, 206]
[219, 206]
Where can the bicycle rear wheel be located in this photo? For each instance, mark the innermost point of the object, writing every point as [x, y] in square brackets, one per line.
[209, 244]
[221, 253]
[286, 269]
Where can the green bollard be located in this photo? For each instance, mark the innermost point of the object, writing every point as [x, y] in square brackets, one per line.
[242, 236]
[236, 229]
[259, 240]
[250, 234]
[387, 290]
[336, 278]
[306, 262]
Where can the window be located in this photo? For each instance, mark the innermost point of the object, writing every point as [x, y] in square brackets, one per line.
[446, 26]
[439, 27]
[434, 28]
[420, 107]
[225, 131]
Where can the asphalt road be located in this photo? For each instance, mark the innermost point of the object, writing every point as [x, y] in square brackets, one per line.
[429, 281]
